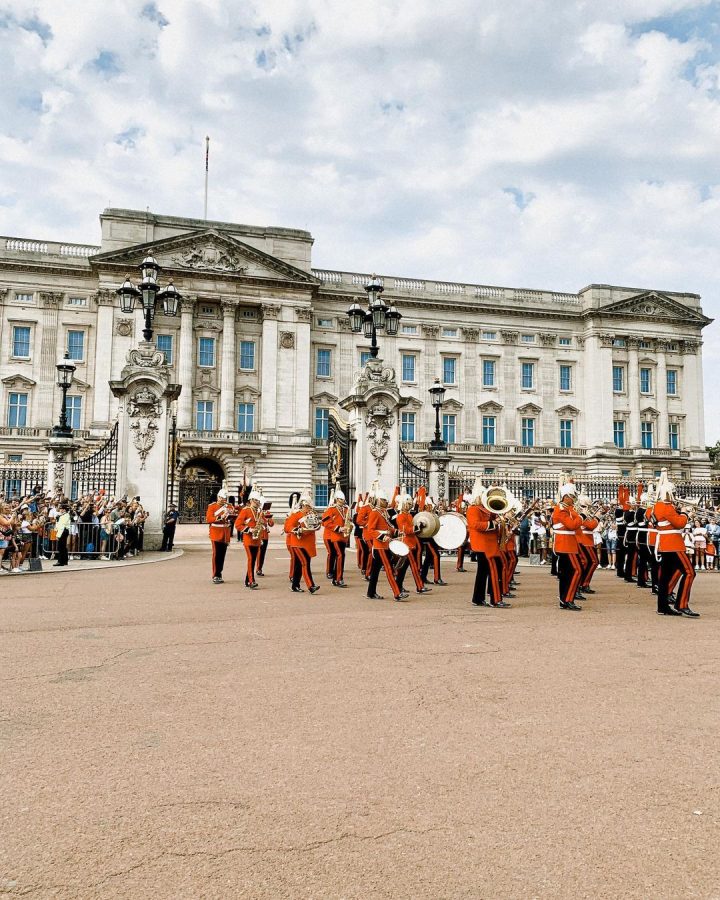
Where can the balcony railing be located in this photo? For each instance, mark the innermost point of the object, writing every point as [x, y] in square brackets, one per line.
[49, 248]
[6, 431]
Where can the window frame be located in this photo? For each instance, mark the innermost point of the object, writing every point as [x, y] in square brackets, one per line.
[527, 431]
[675, 392]
[566, 434]
[489, 430]
[252, 344]
[569, 369]
[647, 371]
[322, 417]
[251, 415]
[205, 413]
[170, 337]
[523, 386]
[408, 422]
[450, 358]
[318, 351]
[493, 382]
[83, 335]
[674, 436]
[15, 328]
[72, 409]
[213, 344]
[413, 357]
[449, 428]
[619, 429]
[18, 407]
[647, 430]
[623, 378]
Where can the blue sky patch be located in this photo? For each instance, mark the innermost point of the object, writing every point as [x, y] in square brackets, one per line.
[522, 199]
[107, 63]
[151, 12]
[129, 137]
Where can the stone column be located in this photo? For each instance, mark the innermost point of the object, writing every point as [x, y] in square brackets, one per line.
[691, 391]
[510, 387]
[303, 365]
[437, 463]
[59, 467]
[469, 385]
[633, 391]
[228, 366]
[47, 402]
[186, 355]
[103, 358]
[433, 370]
[269, 363]
[663, 437]
[598, 390]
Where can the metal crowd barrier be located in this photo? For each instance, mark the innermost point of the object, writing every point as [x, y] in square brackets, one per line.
[88, 541]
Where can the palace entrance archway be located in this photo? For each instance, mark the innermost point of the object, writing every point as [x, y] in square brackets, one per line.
[200, 480]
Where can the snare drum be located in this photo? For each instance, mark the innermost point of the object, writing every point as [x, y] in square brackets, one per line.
[399, 548]
[452, 532]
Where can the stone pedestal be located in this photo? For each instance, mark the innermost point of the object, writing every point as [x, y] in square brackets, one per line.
[61, 452]
[373, 415]
[145, 394]
[437, 462]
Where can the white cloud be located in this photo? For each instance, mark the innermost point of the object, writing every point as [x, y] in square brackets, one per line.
[536, 144]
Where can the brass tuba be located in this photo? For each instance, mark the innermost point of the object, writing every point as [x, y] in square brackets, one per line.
[496, 500]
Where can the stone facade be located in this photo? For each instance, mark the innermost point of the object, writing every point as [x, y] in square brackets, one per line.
[605, 381]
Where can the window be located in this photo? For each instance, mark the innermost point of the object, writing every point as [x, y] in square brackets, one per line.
[674, 436]
[527, 338]
[364, 357]
[565, 378]
[449, 332]
[14, 457]
[324, 323]
[672, 347]
[74, 412]
[246, 417]
[449, 423]
[618, 342]
[528, 376]
[247, 355]
[564, 341]
[409, 329]
[528, 432]
[489, 335]
[528, 471]
[322, 468]
[488, 373]
[77, 301]
[21, 341]
[322, 421]
[566, 429]
[619, 434]
[24, 298]
[408, 367]
[207, 310]
[17, 410]
[204, 415]
[249, 314]
[646, 435]
[618, 379]
[489, 470]
[322, 368]
[625, 473]
[164, 343]
[645, 381]
[449, 366]
[322, 495]
[76, 345]
[407, 426]
[672, 382]
[488, 429]
[207, 352]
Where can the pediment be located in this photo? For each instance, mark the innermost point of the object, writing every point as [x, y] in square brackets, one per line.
[529, 409]
[324, 397]
[206, 252]
[490, 406]
[18, 381]
[452, 404]
[568, 410]
[248, 391]
[649, 411]
[654, 306]
[413, 404]
[79, 385]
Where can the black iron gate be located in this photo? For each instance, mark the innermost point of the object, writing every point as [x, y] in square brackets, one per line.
[19, 480]
[412, 476]
[195, 496]
[341, 457]
[98, 471]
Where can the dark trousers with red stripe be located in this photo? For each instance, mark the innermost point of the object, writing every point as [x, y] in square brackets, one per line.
[219, 549]
[369, 559]
[261, 555]
[252, 552]
[381, 560]
[487, 579]
[301, 567]
[644, 563]
[361, 549]
[588, 562]
[462, 549]
[676, 574]
[336, 559]
[630, 562]
[432, 557]
[569, 575]
[411, 561]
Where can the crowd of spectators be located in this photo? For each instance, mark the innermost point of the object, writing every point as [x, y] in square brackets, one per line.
[49, 526]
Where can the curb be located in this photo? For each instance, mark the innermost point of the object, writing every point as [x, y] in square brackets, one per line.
[94, 566]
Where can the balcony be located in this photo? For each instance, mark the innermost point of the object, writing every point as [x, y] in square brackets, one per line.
[6, 431]
[241, 438]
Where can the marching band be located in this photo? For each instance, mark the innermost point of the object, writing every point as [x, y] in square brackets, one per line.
[392, 536]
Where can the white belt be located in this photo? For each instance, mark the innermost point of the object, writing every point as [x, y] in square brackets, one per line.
[664, 522]
[671, 531]
[562, 530]
[585, 531]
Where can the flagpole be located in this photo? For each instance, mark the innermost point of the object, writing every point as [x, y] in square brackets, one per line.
[207, 162]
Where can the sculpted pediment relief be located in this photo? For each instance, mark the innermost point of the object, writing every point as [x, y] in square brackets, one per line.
[18, 381]
[324, 397]
[654, 305]
[490, 407]
[452, 404]
[529, 409]
[206, 252]
[568, 410]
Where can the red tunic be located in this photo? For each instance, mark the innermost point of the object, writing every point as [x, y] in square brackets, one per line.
[376, 524]
[669, 527]
[404, 525]
[483, 534]
[565, 523]
[220, 529]
[585, 535]
[306, 541]
[333, 520]
[249, 519]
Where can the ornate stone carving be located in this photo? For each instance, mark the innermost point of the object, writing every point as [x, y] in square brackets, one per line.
[547, 339]
[59, 476]
[105, 297]
[379, 420]
[633, 343]
[125, 327]
[509, 337]
[271, 310]
[229, 308]
[211, 259]
[3, 294]
[662, 346]
[580, 341]
[304, 313]
[343, 324]
[606, 340]
[690, 347]
[51, 298]
[430, 331]
[206, 325]
[470, 334]
[146, 355]
[144, 408]
[287, 340]
[374, 373]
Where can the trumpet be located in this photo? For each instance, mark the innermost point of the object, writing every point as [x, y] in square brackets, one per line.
[683, 503]
[309, 522]
[348, 526]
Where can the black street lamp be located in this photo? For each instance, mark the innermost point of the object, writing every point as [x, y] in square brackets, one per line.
[66, 370]
[437, 393]
[150, 294]
[378, 316]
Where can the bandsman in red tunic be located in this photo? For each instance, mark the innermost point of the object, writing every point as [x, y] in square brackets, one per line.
[336, 537]
[483, 533]
[219, 518]
[301, 527]
[406, 533]
[251, 525]
[676, 570]
[566, 522]
[380, 531]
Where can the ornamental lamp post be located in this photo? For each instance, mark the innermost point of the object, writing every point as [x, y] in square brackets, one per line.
[66, 370]
[437, 393]
[150, 294]
[378, 316]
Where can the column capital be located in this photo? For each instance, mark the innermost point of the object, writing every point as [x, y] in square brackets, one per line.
[270, 311]
[548, 339]
[605, 340]
[662, 345]
[633, 343]
[304, 313]
[690, 347]
[430, 331]
[229, 308]
[3, 295]
[509, 337]
[187, 304]
[51, 298]
[105, 297]
[470, 334]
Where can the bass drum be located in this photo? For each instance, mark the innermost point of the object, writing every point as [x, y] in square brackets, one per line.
[399, 548]
[452, 532]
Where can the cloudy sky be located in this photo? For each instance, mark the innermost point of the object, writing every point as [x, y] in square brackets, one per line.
[533, 143]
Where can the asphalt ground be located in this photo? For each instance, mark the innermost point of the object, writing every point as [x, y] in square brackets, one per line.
[164, 737]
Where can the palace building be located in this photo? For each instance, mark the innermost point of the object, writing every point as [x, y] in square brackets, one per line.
[607, 381]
